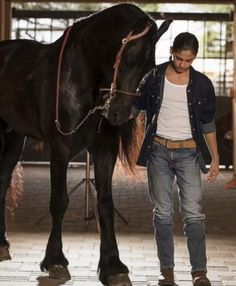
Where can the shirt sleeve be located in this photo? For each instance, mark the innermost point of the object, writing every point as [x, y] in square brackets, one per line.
[209, 127]
[207, 114]
[140, 101]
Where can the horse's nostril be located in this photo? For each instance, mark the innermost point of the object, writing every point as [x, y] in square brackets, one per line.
[114, 118]
[116, 115]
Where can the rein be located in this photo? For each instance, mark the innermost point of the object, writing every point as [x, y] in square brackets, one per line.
[112, 90]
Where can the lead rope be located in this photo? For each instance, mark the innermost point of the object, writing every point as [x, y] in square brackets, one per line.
[57, 122]
[91, 111]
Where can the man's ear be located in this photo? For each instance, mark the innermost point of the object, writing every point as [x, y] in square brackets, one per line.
[171, 53]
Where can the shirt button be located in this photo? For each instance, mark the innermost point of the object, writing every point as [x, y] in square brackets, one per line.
[190, 103]
[199, 102]
[149, 146]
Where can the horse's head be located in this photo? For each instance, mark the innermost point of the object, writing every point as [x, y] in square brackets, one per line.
[102, 71]
[134, 57]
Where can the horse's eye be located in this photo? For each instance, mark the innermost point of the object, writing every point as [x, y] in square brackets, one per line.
[128, 61]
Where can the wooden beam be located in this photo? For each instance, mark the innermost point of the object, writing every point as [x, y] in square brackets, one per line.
[234, 93]
[222, 2]
[68, 14]
[2, 19]
[8, 19]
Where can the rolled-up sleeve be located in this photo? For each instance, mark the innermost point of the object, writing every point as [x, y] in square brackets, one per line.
[209, 127]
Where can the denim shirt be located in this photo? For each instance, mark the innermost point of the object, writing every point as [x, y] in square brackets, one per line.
[201, 107]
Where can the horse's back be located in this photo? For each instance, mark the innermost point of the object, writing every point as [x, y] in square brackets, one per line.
[16, 55]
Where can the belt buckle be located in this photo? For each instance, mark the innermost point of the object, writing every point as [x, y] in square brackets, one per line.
[166, 143]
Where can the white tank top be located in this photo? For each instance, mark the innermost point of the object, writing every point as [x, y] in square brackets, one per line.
[173, 119]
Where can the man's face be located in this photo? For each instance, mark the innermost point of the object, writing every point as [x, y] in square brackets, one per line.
[182, 60]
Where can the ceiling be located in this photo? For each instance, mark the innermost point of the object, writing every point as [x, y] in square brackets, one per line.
[224, 2]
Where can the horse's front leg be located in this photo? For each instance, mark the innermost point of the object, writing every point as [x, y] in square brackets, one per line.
[55, 262]
[112, 272]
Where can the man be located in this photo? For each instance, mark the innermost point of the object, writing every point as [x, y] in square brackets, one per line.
[180, 110]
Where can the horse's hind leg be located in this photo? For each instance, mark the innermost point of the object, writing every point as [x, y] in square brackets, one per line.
[54, 261]
[10, 154]
[112, 272]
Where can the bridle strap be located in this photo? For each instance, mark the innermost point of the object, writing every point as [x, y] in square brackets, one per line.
[130, 37]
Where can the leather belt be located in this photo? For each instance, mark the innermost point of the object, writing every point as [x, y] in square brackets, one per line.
[175, 144]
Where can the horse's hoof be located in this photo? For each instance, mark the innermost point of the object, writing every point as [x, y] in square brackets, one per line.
[119, 280]
[59, 272]
[4, 253]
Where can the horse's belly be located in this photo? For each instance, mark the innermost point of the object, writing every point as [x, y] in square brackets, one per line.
[18, 119]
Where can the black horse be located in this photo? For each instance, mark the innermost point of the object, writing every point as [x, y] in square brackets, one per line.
[76, 94]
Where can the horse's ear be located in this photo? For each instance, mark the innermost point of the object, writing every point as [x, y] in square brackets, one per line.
[140, 24]
[163, 28]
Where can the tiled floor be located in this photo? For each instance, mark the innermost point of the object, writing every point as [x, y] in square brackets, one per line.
[28, 232]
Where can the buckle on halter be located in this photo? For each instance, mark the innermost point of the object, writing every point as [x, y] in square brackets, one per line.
[124, 41]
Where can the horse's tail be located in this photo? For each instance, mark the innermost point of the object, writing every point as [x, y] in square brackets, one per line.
[15, 190]
[131, 137]
[2, 141]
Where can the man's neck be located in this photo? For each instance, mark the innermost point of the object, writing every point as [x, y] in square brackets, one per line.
[176, 77]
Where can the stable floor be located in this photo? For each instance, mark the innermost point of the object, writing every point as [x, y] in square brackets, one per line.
[28, 232]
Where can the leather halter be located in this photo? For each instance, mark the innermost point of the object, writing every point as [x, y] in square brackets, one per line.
[112, 90]
[130, 37]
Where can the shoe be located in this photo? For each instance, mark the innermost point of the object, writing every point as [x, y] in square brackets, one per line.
[200, 279]
[168, 277]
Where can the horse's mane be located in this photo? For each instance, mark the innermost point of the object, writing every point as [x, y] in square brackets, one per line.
[123, 10]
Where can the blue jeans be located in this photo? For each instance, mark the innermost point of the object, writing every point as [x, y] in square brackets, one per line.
[164, 166]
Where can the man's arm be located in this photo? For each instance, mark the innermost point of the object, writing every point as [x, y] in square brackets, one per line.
[212, 145]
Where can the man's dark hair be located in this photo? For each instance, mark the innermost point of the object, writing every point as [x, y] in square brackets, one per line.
[186, 41]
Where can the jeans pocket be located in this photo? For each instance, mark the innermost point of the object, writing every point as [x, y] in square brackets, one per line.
[154, 146]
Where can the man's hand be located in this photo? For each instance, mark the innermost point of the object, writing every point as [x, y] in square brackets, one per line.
[214, 168]
[213, 172]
